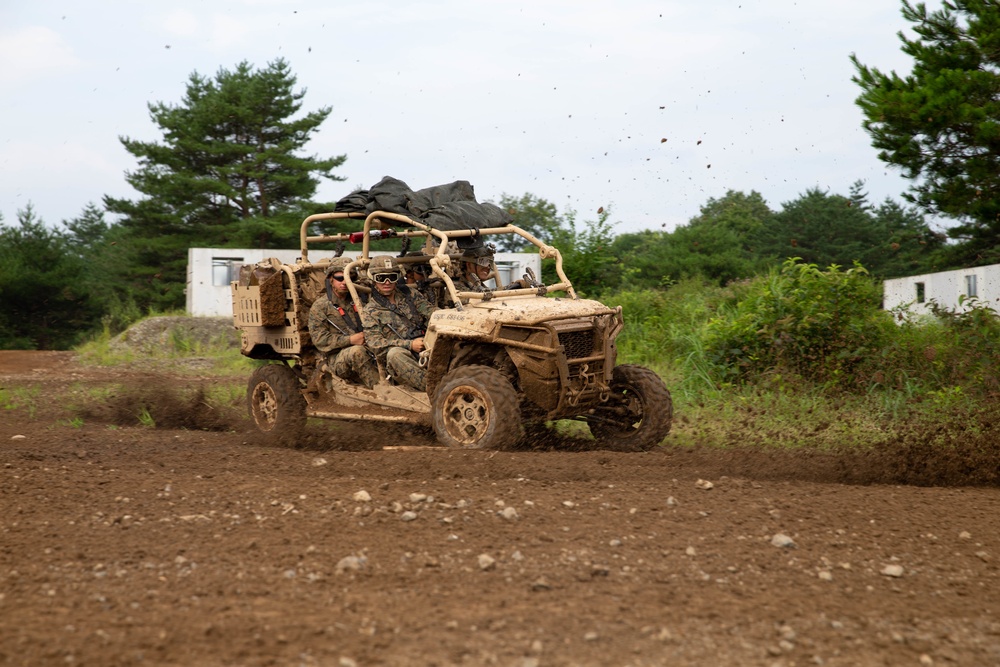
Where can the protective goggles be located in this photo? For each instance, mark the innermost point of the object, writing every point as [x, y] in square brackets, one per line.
[386, 277]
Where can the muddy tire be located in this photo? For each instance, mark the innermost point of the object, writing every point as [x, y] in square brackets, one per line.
[275, 404]
[639, 413]
[475, 407]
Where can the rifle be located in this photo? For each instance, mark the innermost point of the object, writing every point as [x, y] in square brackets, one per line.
[338, 328]
[411, 333]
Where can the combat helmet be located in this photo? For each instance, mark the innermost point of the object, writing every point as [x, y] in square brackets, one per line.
[481, 254]
[337, 264]
[420, 268]
[384, 264]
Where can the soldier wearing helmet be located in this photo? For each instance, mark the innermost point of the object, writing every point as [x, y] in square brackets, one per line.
[419, 275]
[477, 266]
[336, 330]
[395, 319]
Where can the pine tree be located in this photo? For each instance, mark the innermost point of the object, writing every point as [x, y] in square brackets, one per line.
[826, 229]
[47, 304]
[229, 172]
[941, 123]
[88, 231]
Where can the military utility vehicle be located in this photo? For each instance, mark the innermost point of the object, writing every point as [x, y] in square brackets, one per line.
[498, 361]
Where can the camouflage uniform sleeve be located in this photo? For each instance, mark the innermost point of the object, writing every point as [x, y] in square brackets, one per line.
[469, 284]
[324, 336]
[379, 337]
[424, 307]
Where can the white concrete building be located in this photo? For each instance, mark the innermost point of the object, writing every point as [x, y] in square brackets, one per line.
[946, 288]
[210, 270]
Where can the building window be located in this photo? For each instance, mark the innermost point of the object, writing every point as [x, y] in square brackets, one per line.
[921, 296]
[971, 288]
[224, 270]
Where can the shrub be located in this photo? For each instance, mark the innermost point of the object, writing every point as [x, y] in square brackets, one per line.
[801, 321]
[968, 352]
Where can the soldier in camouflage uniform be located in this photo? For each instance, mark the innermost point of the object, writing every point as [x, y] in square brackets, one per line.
[395, 319]
[477, 264]
[420, 277]
[336, 330]
[476, 268]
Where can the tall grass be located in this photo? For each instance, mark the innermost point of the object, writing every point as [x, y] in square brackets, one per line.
[803, 354]
[800, 355]
[664, 330]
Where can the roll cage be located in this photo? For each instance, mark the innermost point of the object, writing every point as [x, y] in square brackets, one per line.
[440, 258]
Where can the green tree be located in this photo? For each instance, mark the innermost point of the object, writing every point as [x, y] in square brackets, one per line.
[644, 256]
[229, 172]
[717, 245]
[826, 229]
[941, 123]
[821, 229]
[586, 253]
[88, 232]
[535, 215]
[913, 246]
[103, 248]
[46, 302]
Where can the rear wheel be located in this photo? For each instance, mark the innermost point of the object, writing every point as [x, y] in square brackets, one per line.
[638, 414]
[275, 403]
[475, 407]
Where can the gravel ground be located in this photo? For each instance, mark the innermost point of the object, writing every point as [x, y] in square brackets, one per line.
[128, 545]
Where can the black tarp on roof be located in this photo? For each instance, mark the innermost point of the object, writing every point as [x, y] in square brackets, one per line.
[445, 207]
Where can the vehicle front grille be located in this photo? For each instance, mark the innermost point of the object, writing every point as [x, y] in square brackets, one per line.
[578, 344]
[593, 368]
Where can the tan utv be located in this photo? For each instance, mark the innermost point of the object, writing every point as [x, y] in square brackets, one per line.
[497, 363]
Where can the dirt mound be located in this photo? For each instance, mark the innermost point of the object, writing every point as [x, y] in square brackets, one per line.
[177, 334]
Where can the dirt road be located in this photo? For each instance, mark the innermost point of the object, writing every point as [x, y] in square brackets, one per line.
[169, 546]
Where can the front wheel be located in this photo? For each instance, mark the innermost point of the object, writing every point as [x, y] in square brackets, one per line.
[638, 414]
[475, 407]
[275, 403]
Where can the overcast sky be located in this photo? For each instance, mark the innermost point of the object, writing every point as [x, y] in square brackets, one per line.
[570, 101]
